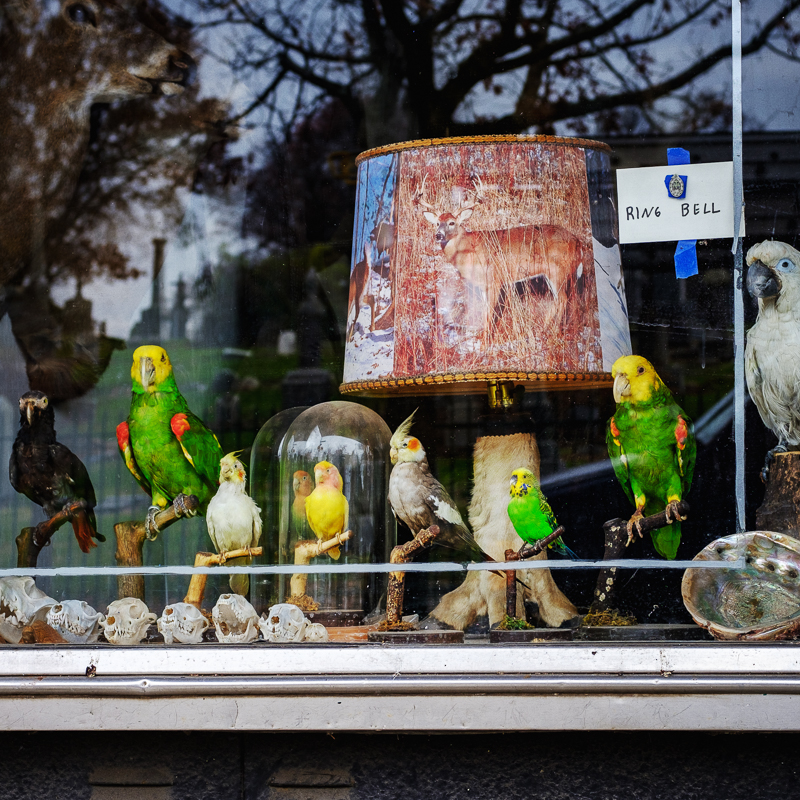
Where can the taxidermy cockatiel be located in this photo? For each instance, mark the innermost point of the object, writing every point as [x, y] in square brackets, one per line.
[49, 473]
[419, 500]
[772, 354]
[327, 510]
[233, 518]
[530, 513]
[652, 448]
[302, 486]
[169, 450]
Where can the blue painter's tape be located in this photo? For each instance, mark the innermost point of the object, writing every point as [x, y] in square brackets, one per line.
[686, 258]
[686, 251]
[677, 156]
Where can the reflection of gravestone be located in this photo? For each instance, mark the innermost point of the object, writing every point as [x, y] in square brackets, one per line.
[310, 384]
[179, 315]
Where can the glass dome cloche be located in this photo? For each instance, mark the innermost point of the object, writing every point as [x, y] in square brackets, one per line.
[332, 496]
[264, 482]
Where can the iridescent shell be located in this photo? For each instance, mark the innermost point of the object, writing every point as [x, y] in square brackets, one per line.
[756, 602]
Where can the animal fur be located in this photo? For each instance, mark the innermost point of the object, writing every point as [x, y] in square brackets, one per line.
[483, 593]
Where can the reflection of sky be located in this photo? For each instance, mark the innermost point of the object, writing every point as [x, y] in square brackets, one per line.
[771, 97]
[376, 184]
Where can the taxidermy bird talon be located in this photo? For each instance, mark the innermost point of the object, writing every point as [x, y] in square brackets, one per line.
[181, 508]
[635, 524]
[672, 513]
[151, 530]
[779, 448]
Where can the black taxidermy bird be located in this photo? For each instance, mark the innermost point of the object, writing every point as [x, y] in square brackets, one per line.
[49, 473]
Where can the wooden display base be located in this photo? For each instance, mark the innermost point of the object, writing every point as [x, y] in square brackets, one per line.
[497, 636]
[336, 618]
[416, 637]
[642, 633]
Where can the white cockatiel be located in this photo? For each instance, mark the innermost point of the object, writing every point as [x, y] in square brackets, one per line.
[233, 518]
[772, 355]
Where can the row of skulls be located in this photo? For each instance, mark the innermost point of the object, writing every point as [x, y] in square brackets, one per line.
[126, 623]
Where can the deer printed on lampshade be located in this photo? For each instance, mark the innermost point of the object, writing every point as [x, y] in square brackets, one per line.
[490, 257]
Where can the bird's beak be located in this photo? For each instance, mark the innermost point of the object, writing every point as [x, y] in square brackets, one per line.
[147, 371]
[29, 413]
[762, 281]
[393, 455]
[622, 387]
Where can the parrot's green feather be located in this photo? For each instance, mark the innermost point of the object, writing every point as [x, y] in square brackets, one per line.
[647, 461]
[158, 454]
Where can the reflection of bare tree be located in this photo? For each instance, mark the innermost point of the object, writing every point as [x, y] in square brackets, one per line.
[404, 69]
[77, 163]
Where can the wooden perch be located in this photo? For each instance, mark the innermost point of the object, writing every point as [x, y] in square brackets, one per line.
[31, 541]
[130, 543]
[526, 551]
[616, 540]
[197, 584]
[402, 554]
[304, 551]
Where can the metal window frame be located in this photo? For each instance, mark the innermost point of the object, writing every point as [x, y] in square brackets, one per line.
[473, 687]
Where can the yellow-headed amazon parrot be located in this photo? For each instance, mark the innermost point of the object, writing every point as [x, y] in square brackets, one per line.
[530, 513]
[652, 448]
[169, 450]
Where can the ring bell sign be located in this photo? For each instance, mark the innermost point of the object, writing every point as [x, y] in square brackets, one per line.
[670, 203]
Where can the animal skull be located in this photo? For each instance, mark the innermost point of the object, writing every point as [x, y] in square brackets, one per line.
[76, 621]
[127, 621]
[182, 622]
[22, 601]
[316, 632]
[235, 620]
[284, 622]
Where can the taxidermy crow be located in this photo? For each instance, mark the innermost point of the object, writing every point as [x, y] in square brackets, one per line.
[772, 355]
[49, 473]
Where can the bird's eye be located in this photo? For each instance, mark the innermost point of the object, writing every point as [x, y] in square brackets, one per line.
[82, 14]
[44, 402]
[163, 357]
[405, 444]
[640, 371]
[784, 265]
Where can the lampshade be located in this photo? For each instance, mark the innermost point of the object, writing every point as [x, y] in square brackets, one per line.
[484, 259]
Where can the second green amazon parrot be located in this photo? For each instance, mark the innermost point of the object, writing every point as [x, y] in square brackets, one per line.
[652, 448]
[530, 513]
[168, 449]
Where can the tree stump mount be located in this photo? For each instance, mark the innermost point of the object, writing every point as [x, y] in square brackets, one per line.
[780, 511]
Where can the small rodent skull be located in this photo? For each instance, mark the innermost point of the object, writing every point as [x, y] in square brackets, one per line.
[75, 620]
[182, 622]
[235, 620]
[127, 621]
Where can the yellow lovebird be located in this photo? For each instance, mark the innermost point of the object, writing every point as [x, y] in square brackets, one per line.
[327, 509]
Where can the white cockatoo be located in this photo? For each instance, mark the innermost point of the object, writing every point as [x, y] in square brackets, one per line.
[772, 355]
[233, 518]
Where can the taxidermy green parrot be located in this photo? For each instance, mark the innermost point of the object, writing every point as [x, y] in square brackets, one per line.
[169, 450]
[652, 448]
[530, 513]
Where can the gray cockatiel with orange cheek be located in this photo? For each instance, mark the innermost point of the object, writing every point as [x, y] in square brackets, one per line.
[419, 500]
[772, 355]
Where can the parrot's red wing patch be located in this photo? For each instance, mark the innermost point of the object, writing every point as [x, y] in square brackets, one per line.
[681, 432]
[179, 425]
[123, 436]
